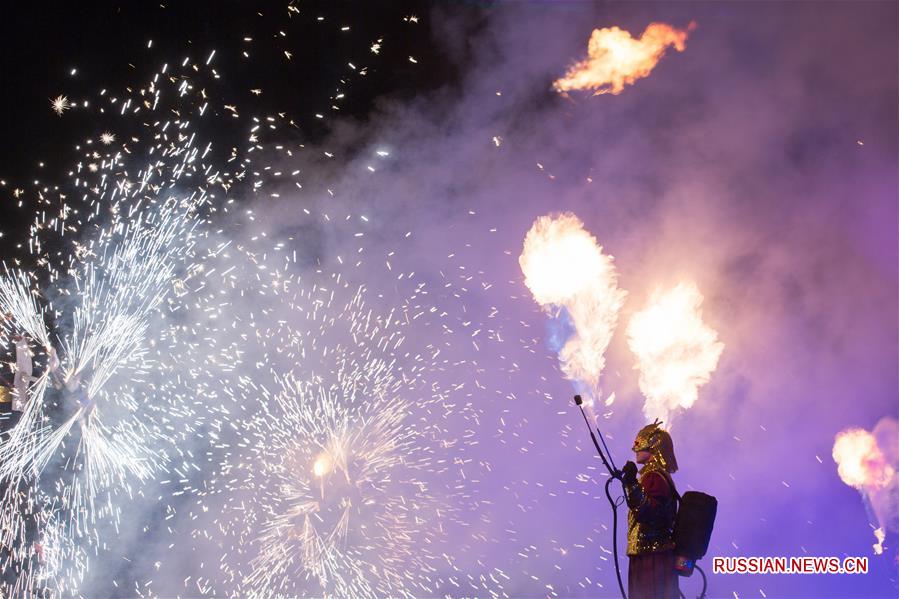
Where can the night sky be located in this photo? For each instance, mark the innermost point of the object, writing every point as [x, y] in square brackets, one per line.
[406, 148]
[106, 45]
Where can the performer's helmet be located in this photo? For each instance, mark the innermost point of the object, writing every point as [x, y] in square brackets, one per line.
[656, 440]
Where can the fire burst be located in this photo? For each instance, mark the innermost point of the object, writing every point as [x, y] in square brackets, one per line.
[860, 462]
[869, 462]
[676, 352]
[565, 267]
[615, 59]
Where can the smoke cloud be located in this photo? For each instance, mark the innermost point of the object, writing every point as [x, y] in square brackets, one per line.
[759, 163]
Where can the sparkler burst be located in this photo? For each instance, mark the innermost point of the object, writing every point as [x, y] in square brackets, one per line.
[331, 487]
[82, 423]
[348, 504]
[88, 437]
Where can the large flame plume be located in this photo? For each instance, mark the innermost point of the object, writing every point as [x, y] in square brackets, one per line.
[565, 267]
[869, 461]
[615, 59]
[676, 352]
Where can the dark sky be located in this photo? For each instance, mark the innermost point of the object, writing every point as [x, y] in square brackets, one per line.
[107, 44]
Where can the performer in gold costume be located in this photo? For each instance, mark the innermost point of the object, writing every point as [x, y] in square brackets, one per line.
[652, 499]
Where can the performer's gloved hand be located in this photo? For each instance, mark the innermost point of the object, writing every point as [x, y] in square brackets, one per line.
[629, 474]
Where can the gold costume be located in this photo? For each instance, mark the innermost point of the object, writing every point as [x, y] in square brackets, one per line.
[652, 503]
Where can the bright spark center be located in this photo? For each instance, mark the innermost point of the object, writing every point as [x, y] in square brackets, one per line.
[322, 465]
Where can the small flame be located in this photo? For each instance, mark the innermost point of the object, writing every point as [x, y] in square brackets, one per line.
[676, 352]
[860, 462]
[564, 266]
[615, 59]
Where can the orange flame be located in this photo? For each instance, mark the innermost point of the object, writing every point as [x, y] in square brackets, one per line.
[615, 59]
[676, 352]
[564, 266]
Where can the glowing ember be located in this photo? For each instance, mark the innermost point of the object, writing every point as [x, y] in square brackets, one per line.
[676, 352]
[615, 59]
[564, 267]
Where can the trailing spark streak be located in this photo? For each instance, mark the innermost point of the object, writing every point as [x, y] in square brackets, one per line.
[18, 302]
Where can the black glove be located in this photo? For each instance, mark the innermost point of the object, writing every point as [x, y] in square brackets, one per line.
[629, 474]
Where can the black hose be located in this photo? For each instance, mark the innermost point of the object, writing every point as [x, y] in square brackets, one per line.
[705, 582]
[615, 505]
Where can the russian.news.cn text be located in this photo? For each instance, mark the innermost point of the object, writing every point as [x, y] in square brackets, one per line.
[789, 565]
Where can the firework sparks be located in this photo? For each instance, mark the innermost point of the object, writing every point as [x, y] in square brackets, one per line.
[117, 293]
[676, 353]
[339, 460]
[615, 59]
[85, 436]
